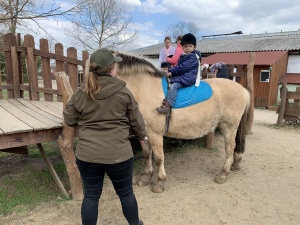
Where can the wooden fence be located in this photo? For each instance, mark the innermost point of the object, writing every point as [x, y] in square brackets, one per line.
[288, 111]
[15, 52]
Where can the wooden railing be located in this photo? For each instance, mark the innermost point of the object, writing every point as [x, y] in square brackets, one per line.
[288, 111]
[16, 53]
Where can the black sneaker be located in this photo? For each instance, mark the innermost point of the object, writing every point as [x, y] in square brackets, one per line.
[140, 222]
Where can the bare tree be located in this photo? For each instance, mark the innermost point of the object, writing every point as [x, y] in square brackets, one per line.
[15, 13]
[181, 28]
[102, 23]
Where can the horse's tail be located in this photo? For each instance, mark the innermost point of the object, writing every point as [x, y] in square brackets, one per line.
[240, 138]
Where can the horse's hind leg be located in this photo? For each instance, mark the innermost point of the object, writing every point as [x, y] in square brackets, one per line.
[145, 177]
[229, 137]
[236, 163]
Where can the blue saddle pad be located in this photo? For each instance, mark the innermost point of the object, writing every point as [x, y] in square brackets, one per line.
[188, 96]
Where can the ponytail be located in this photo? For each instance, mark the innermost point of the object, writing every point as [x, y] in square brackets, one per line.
[92, 83]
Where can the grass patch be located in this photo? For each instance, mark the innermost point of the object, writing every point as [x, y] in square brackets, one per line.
[24, 191]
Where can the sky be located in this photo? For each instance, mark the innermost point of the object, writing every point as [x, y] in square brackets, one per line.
[152, 17]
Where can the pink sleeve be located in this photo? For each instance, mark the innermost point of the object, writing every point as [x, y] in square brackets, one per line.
[175, 58]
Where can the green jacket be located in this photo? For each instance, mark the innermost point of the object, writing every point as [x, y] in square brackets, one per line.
[104, 124]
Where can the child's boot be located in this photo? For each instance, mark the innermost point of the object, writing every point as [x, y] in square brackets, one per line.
[165, 107]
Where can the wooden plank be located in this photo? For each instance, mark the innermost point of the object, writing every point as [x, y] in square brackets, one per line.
[6, 86]
[10, 124]
[281, 109]
[297, 102]
[44, 112]
[28, 138]
[52, 171]
[60, 65]
[37, 113]
[293, 95]
[23, 116]
[58, 105]
[72, 69]
[9, 40]
[48, 55]
[46, 71]
[48, 91]
[15, 72]
[48, 108]
[292, 112]
[33, 82]
[20, 64]
[17, 150]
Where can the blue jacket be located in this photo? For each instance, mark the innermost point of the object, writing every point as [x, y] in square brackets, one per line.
[185, 72]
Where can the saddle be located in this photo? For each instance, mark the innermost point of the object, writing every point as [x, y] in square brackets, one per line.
[187, 96]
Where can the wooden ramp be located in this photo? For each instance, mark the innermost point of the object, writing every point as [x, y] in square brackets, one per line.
[24, 122]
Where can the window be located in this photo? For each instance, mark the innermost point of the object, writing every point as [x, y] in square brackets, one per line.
[264, 75]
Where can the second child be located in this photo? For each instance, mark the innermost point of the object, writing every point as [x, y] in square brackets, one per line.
[184, 74]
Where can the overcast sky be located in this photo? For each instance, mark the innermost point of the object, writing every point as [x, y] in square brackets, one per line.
[151, 17]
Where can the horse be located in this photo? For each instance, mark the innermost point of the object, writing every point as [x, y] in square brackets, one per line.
[227, 109]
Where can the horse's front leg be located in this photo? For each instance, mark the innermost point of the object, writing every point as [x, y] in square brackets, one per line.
[145, 177]
[156, 142]
[229, 149]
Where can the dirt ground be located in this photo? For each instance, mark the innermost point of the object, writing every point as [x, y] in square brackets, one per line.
[265, 191]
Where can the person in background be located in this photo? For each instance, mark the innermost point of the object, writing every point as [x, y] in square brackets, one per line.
[221, 69]
[165, 66]
[104, 110]
[173, 60]
[166, 51]
[184, 74]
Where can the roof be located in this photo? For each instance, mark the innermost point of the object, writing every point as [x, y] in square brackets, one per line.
[242, 58]
[280, 41]
[291, 78]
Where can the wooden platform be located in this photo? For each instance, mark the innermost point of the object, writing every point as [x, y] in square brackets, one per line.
[24, 122]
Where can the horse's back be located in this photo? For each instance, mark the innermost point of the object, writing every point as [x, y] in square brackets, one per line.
[230, 93]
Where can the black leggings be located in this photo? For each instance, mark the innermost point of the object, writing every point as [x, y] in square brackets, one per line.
[120, 174]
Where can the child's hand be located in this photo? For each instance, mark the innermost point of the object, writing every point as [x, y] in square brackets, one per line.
[145, 139]
[169, 74]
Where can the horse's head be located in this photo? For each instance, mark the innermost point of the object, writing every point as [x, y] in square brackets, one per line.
[135, 65]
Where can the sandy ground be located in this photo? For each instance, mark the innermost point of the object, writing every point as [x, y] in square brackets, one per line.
[265, 191]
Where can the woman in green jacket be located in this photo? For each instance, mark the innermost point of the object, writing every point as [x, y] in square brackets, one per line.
[104, 110]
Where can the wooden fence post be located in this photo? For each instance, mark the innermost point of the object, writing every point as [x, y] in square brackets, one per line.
[250, 87]
[59, 50]
[46, 70]
[72, 68]
[283, 92]
[31, 67]
[9, 40]
[65, 141]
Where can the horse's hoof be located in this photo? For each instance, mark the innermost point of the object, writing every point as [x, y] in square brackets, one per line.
[158, 188]
[220, 179]
[235, 167]
[144, 180]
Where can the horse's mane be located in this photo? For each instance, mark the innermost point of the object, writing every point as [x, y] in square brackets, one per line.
[137, 64]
